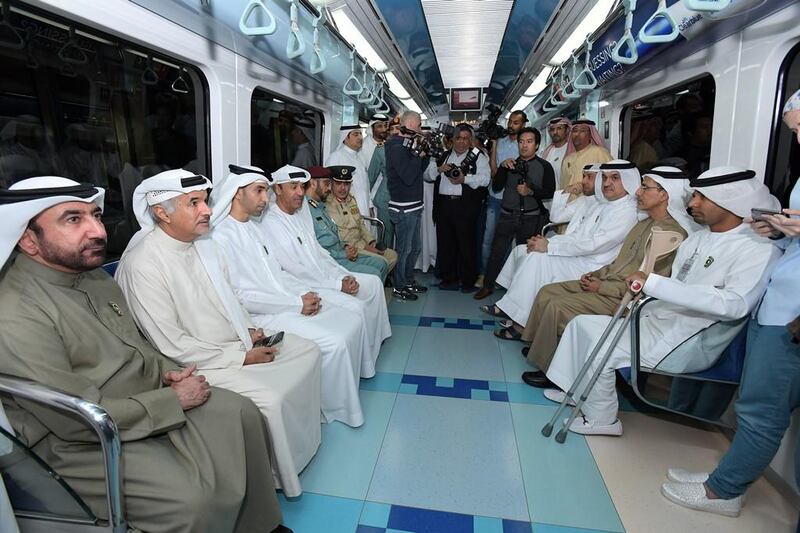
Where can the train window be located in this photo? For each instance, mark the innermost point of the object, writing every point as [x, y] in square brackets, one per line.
[783, 166]
[671, 128]
[82, 105]
[283, 133]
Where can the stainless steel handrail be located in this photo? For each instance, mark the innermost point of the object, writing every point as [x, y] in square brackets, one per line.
[96, 417]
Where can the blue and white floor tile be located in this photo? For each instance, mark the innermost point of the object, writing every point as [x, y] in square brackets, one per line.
[452, 444]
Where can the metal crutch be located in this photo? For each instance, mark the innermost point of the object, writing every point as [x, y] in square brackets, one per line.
[659, 244]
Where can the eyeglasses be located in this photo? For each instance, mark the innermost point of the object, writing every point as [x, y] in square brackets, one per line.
[646, 187]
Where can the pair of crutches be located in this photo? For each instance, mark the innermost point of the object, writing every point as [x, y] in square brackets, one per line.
[659, 244]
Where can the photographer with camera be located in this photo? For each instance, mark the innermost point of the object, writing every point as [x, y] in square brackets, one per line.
[526, 183]
[460, 178]
[501, 149]
[404, 169]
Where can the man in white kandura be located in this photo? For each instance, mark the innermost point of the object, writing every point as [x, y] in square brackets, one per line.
[600, 219]
[279, 301]
[348, 153]
[178, 288]
[719, 273]
[292, 241]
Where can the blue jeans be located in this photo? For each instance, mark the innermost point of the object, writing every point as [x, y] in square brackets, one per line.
[408, 244]
[769, 392]
[492, 214]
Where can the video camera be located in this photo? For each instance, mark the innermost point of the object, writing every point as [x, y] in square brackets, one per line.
[489, 129]
[467, 166]
[520, 170]
[430, 144]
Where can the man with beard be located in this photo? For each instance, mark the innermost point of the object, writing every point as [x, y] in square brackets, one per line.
[178, 288]
[289, 231]
[318, 190]
[589, 150]
[277, 300]
[194, 459]
[560, 145]
[376, 170]
[349, 154]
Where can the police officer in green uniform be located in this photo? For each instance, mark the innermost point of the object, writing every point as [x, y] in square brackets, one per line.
[317, 190]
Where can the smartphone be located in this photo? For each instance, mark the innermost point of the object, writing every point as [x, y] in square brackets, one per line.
[758, 214]
[266, 342]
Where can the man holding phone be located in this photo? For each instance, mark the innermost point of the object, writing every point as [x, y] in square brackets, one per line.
[278, 300]
[178, 288]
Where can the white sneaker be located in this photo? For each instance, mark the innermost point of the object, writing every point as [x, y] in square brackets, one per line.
[557, 395]
[680, 475]
[693, 496]
[479, 281]
[587, 427]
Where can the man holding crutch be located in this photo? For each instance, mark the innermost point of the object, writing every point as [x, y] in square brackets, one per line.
[718, 274]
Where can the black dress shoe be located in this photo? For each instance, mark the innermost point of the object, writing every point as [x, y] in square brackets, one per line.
[525, 351]
[282, 529]
[538, 379]
[449, 285]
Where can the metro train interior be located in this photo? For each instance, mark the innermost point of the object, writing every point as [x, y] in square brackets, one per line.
[114, 92]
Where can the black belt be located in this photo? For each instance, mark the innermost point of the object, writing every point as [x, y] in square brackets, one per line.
[527, 212]
[450, 196]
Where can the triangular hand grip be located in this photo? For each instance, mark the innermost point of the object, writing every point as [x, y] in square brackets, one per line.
[295, 46]
[628, 41]
[352, 87]
[318, 62]
[72, 53]
[659, 37]
[591, 80]
[269, 29]
[365, 96]
[149, 76]
[384, 108]
[180, 85]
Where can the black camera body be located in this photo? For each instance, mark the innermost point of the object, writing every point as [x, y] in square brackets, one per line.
[467, 165]
[489, 129]
[520, 170]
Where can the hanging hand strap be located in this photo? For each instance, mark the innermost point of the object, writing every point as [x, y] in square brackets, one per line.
[149, 75]
[318, 63]
[663, 13]
[366, 95]
[591, 80]
[573, 93]
[352, 87]
[627, 39]
[295, 46]
[270, 27]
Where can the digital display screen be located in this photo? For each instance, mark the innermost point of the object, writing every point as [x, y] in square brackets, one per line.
[466, 99]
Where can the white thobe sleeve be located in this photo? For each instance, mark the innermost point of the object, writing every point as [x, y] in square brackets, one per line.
[745, 283]
[562, 210]
[157, 316]
[610, 233]
[431, 172]
[482, 176]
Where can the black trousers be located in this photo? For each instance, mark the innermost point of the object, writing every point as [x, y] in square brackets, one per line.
[456, 240]
[510, 227]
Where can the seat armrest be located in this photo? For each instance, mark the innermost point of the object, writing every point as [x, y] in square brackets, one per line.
[93, 415]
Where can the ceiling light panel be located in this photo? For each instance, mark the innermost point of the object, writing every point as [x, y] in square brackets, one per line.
[466, 37]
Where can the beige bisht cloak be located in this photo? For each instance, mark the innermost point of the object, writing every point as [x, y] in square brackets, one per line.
[202, 470]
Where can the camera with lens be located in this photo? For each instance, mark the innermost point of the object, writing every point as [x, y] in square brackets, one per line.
[467, 165]
[489, 129]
